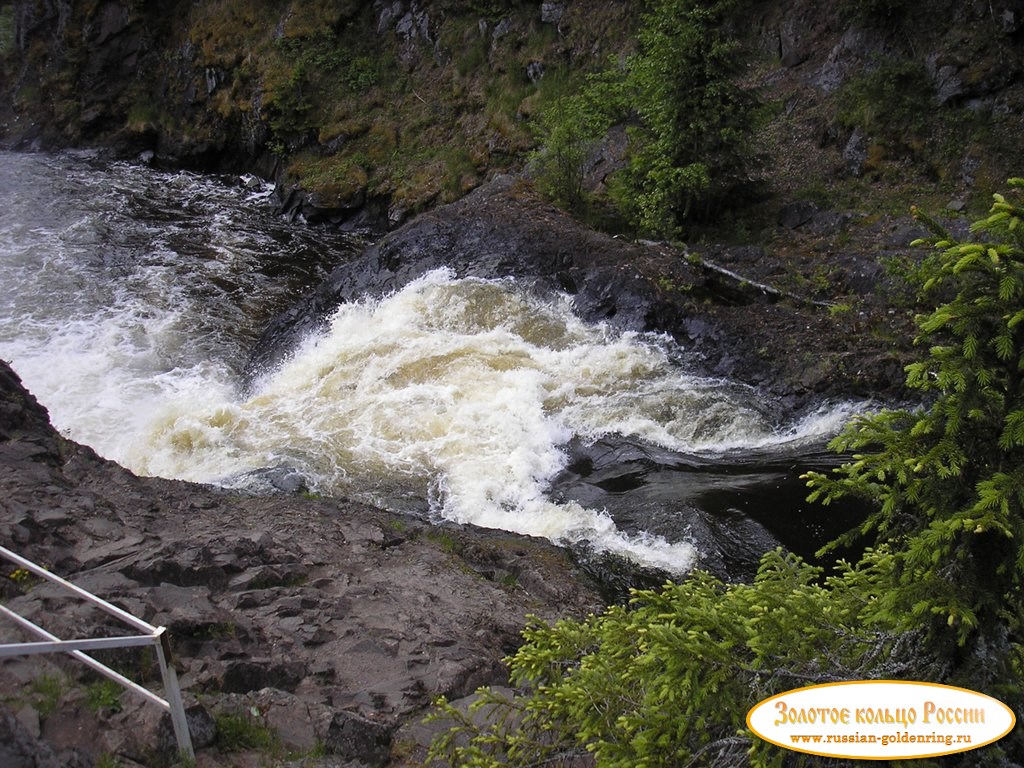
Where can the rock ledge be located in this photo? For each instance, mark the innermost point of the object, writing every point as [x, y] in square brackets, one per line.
[327, 623]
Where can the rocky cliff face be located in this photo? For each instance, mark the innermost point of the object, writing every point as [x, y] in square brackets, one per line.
[327, 623]
[374, 109]
[370, 112]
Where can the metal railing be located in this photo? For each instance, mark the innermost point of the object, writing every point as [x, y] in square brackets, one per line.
[154, 636]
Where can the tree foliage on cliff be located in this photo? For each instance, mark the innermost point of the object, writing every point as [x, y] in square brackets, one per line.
[689, 123]
[938, 595]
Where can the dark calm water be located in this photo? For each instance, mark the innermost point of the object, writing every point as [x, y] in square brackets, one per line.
[130, 299]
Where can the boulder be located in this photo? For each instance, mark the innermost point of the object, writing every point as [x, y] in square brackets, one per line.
[354, 737]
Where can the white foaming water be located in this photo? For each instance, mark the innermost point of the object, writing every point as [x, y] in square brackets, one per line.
[122, 287]
[463, 391]
[128, 303]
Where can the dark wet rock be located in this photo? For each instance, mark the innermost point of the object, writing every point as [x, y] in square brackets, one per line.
[352, 736]
[20, 749]
[829, 223]
[862, 277]
[23, 423]
[720, 318]
[628, 478]
[497, 231]
[715, 503]
[358, 212]
[254, 675]
[193, 566]
[796, 214]
[145, 734]
[202, 728]
[272, 480]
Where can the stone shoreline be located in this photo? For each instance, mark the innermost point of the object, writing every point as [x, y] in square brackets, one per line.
[328, 623]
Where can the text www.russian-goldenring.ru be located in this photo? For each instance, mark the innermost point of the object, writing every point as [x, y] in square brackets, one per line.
[884, 740]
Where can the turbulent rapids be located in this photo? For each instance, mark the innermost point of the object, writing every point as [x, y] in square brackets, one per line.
[129, 300]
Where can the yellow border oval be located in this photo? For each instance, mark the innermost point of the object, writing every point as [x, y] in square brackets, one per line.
[948, 750]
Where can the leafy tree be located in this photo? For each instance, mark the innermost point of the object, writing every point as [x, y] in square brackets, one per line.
[668, 679]
[571, 128]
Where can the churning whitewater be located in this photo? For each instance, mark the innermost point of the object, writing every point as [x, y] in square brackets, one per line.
[461, 392]
[454, 397]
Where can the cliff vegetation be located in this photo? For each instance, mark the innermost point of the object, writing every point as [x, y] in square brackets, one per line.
[662, 118]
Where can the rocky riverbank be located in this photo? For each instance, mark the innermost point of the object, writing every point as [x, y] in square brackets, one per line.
[749, 314]
[323, 628]
[318, 629]
[315, 632]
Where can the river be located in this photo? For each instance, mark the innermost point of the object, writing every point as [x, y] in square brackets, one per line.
[130, 299]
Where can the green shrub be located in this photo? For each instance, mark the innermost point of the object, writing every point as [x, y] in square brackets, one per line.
[667, 681]
[48, 690]
[891, 99]
[241, 730]
[571, 128]
[104, 696]
[7, 26]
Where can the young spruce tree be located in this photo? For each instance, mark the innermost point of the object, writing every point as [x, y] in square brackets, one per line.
[689, 123]
[947, 479]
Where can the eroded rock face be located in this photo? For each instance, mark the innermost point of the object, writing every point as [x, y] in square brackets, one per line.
[321, 617]
[24, 424]
[726, 325]
[497, 231]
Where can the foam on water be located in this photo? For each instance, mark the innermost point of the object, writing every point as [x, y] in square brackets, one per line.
[128, 313]
[121, 287]
[462, 392]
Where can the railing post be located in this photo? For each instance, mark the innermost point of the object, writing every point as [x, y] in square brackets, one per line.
[173, 693]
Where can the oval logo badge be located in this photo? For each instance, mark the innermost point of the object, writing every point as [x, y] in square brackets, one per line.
[881, 719]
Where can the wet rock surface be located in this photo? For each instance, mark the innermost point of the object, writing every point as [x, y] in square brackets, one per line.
[726, 322]
[733, 509]
[329, 623]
